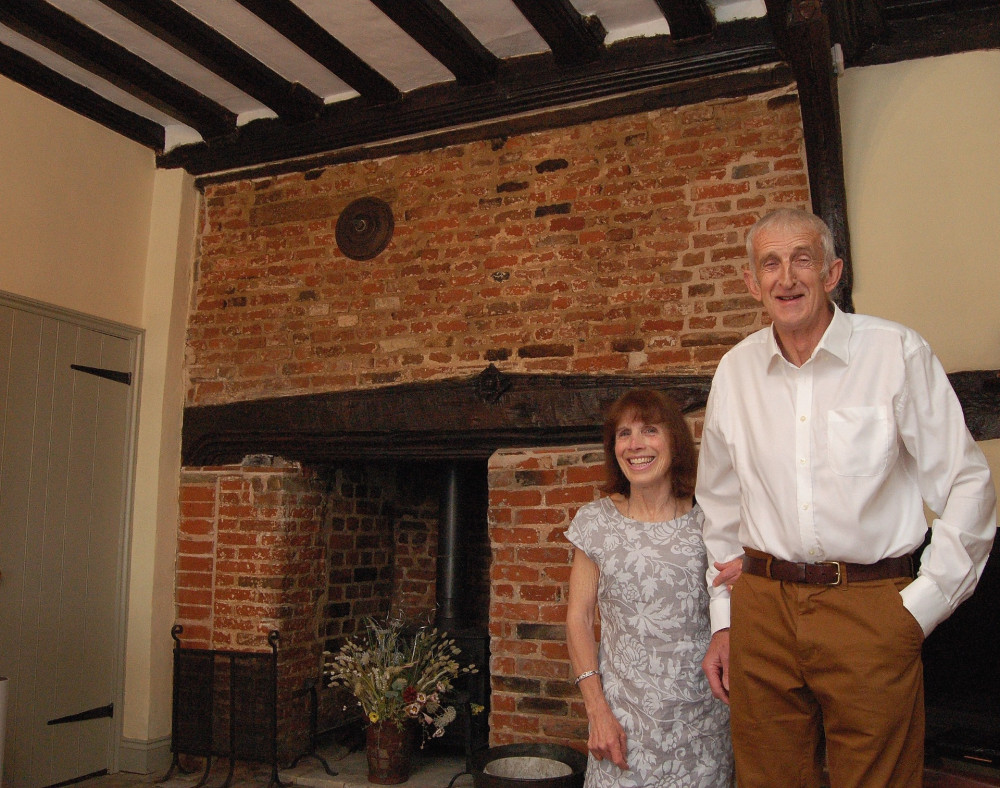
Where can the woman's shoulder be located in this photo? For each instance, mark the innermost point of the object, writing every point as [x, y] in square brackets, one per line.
[602, 507]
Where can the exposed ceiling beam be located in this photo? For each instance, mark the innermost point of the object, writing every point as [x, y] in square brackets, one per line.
[687, 18]
[313, 39]
[572, 37]
[77, 43]
[192, 37]
[855, 25]
[930, 28]
[46, 82]
[629, 68]
[442, 34]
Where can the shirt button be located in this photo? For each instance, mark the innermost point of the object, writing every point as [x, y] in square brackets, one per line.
[805, 506]
[802, 418]
[802, 462]
[812, 552]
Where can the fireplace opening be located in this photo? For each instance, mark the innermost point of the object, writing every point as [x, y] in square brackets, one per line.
[255, 471]
[409, 539]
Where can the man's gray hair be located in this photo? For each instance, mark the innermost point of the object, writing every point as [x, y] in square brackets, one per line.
[794, 218]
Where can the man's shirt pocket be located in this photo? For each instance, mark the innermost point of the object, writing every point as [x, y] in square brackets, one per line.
[858, 440]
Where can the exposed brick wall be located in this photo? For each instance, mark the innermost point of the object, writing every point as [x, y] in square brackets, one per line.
[606, 247]
[415, 580]
[534, 495]
[251, 559]
[361, 550]
[309, 553]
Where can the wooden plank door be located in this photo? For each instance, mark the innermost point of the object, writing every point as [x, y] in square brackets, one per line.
[66, 405]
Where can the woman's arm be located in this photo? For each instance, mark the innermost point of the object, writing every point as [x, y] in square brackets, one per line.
[607, 738]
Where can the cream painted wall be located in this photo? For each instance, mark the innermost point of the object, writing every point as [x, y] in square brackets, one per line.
[922, 167]
[168, 266]
[88, 223]
[74, 209]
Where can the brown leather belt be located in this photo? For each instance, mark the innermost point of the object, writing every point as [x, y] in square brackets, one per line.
[825, 573]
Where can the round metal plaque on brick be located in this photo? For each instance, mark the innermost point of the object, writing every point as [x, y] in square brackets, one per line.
[364, 228]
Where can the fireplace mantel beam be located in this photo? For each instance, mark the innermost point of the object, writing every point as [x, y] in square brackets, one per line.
[459, 418]
[467, 418]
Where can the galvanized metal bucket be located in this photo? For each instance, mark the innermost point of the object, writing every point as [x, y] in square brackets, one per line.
[529, 766]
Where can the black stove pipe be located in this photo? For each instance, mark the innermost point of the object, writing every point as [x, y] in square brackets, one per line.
[450, 554]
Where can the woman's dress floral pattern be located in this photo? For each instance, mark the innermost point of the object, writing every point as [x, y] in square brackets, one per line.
[654, 632]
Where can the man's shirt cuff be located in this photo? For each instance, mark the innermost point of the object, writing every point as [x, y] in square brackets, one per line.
[718, 612]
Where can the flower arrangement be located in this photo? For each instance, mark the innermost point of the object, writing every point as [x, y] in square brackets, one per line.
[399, 675]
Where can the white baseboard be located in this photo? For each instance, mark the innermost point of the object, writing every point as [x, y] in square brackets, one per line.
[139, 756]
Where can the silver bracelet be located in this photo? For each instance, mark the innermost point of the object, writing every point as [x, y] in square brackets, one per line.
[586, 675]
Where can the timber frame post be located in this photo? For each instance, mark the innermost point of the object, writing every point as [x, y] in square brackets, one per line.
[802, 32]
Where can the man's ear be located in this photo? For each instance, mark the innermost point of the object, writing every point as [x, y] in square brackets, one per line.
[751, 282]
[833, 275]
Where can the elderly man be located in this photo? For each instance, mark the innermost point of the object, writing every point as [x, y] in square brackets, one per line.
[824, 436]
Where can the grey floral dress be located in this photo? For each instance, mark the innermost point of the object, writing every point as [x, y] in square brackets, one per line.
[654, 633]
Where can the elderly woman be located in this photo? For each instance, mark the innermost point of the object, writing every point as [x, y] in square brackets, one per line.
[640, 560]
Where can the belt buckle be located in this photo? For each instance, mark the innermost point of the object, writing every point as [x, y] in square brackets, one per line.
[837, 580]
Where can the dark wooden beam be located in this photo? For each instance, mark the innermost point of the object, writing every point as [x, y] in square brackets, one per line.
[979, 393]
[64, 35]
[803, 35]
[73, 96]
[687, 18]
[432, 25]
[572, 37]
[313, 39]
[467, 418]
[931, 28]
[856, 25]
[721, 86]
[629, 69]
[209, 48]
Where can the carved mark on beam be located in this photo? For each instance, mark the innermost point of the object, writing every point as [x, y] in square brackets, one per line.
[803, 35]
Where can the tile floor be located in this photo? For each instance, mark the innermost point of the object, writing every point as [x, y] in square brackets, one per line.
[352, 772]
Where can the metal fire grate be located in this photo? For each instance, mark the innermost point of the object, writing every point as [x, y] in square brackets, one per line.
[225, 706]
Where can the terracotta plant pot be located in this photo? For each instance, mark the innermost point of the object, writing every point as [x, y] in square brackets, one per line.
[390, 753]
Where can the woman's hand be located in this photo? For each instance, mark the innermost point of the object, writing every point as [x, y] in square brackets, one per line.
[728, 572]
[607, 737]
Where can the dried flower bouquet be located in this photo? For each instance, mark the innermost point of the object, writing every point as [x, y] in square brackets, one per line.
[398, 674]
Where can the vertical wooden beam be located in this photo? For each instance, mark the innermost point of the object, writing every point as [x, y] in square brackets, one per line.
[802, 32]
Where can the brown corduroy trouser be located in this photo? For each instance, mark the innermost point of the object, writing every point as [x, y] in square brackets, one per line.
[836, 662]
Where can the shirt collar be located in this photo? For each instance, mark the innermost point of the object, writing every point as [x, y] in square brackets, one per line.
[835, 340]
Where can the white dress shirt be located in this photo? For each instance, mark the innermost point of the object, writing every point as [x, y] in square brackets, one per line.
[833, 461]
